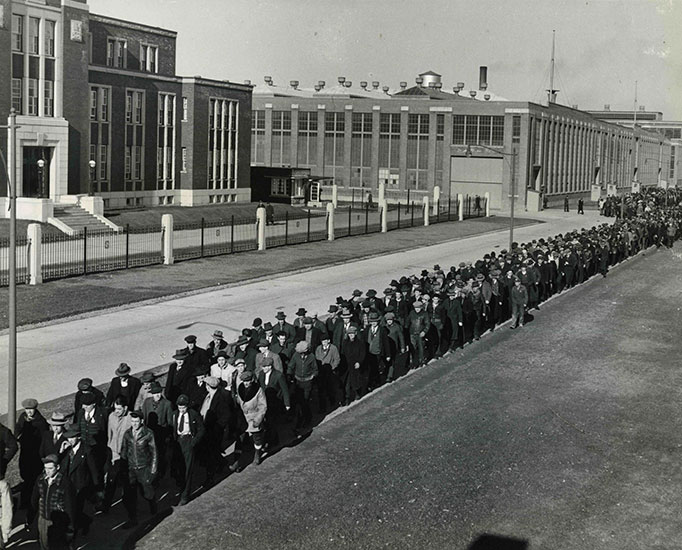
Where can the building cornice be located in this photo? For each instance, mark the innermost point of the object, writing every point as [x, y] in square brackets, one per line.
[134, 26]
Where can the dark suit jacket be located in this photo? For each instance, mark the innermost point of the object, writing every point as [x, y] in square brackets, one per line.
[277, 391]
[287, 328]
[178, 381]
[80, 469]
[384, 344]
[48, 445]
[78, 401]
[197, 394]
[196, 425]
[93, 433]
[220, 419]
[315, 339]
[198, 360]
[8, 448]
[115, 389]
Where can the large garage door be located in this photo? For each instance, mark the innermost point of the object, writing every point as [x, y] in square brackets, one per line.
[477, 176]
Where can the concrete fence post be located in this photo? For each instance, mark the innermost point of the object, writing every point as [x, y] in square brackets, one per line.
[460, 207]
[436, 199]
[260, 227]
[330, 221]
[384, 215]
[35, 258]
[382, 192]
[426, 211]
[167, 225]
[487, 204]
[335, 195]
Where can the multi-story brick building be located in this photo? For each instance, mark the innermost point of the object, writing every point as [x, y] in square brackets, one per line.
[97, 99]
[465, 141]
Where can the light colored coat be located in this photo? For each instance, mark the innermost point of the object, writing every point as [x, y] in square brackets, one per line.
[254, 410]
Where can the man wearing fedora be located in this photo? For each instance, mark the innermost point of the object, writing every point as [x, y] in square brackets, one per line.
[31, 425]
[125, 385]
[54, 500]
[378, 352]
[243, 350]
[277, 396]
[53, 441]
[180, 375]
[217, 412]
[283, 349]
[8, 448]
[300, 315]
[216, 344]
[197, 358]
[188, 430]
[280, 325]
[157, 414]
[308, 333]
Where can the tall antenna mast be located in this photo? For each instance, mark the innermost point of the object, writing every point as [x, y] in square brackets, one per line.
[635, 118]
[551, 93]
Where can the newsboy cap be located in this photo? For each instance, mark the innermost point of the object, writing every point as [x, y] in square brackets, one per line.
[29, 403]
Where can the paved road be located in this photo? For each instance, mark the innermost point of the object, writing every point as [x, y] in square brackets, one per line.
[146, 336]
[564, 434]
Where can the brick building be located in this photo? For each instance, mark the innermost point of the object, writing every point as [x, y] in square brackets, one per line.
[464, 141]
[98, 101]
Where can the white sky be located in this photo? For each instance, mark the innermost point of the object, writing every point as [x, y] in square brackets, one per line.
[602, 46]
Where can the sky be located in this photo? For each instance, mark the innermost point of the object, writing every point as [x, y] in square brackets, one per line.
[602, 46]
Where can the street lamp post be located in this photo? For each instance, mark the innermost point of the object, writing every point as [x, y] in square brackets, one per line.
[12, 299]
[41, 177]
[92, 165]
[512, 185]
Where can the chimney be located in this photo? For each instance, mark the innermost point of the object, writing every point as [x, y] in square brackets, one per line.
[482, 78]
[385, 89]
[342, 79]
[403, 85]
[321, 83]
[607, 107]
[375, 84]
[363, 84]
[247, 82]
[293, 84]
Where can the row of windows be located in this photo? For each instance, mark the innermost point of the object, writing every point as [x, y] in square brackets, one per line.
[478, 130]
[34, 42]
[222, 144]
[32, 98]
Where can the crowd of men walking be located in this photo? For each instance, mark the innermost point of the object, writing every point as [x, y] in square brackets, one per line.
[221, 402]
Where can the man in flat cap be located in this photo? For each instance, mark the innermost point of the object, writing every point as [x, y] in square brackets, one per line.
[84, 387]
[54, 500]
[284, 349]
[277, 396]
[329, 381]
[353, 351]
[309, 334]
[197, 358]
[263, 353]
[138, 451]
[116, 469]
[302, 373]
[8, 448]
[418, 325]
[31, 425]
[147, 380]
[519, 300]
[251, 398]
[188, 431]
[123, 384]
[378, 351]
[157, 413]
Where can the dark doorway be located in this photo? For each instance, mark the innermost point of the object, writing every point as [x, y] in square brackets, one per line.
[32, 172]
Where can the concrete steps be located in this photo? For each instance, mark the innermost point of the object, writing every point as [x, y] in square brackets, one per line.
[77, 218]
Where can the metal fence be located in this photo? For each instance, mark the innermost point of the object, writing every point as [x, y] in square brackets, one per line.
[211, 238]
[97, 251]
[22, 274]
[474, 207]
[301, 227]
[350, 221]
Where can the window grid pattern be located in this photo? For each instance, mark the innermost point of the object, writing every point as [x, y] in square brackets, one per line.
[307, 138]
[117, 49]
[134, 140]
[222, 146]
[281, 138]
[165, 156]
[440, 144]
[361, 149]
[258, 137]
[478, 130]
[389, 148]
[334, 146]
[100, 135]
[417, 151]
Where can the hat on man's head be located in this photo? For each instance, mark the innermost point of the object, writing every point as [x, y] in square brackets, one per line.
[191, 339]
[267, 326]
[180, 355]
[183, 400]
[480, 277]
[374, 316]
[246, 376]
[418, 305]
[221, 353]
[268, 361]
[217, 333]
[357, 292]
[257, 322]
[462, 264]
[333, 308]
[352, 329]
[280, 315]
[390, 316]
[239, 361]
[136, 414]
[50, 459]
[212, 382]
[340, 300]
[123, 369]
[156, 388]
[263, 343]
[301, 311]
[436, 267]
[72, 431]
[302, 346]
[307, 321]
[366, 303]
[389, 291]
[57, 419]
[425, 272]
[88, 399]
[147, 377]
[85, 384]
[346, 315]
[29, 403]
[371, 293]
[242, 340]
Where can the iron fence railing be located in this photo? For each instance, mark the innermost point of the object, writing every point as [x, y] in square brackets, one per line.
[23, 244]
[303, 227]
[474, 207]
[211, 238]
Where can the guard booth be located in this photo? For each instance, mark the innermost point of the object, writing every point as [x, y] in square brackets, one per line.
[280, 184]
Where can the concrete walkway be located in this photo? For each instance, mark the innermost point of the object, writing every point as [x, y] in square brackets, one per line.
[52, 358]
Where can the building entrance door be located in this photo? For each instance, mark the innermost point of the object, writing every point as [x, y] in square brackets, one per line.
[36, 179]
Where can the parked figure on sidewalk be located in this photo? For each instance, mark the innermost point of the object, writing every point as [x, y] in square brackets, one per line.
[581, 203]
[269, 214]
[566, 209]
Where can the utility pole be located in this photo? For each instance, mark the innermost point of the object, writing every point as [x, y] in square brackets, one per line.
[513, 198]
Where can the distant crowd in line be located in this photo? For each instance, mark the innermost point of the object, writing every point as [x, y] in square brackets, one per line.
[229, 403]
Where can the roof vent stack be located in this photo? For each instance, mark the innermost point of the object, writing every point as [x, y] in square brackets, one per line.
[363, 84]
[375, 84]
[483, 78]
[268, 80]
[342, 79]
[385, 89]
[403, 85]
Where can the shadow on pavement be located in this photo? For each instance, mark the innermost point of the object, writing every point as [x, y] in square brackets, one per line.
[494, 542]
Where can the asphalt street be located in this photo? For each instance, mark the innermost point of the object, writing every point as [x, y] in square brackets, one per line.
[146, 336]
[561, 435]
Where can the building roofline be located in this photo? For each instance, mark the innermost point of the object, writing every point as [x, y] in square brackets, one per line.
[220, 83]
[137, 74]
[133, 25]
